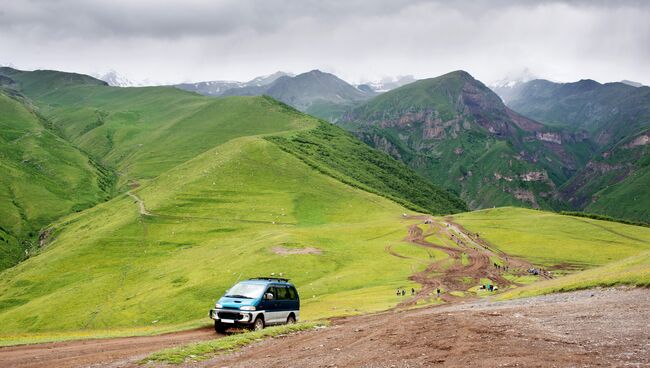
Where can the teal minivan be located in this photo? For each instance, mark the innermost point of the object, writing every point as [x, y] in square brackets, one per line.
[257, 303]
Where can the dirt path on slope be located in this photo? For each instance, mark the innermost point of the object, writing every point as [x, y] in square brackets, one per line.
[140, 202]
[98, 352]
[470, 260]
[599, 328]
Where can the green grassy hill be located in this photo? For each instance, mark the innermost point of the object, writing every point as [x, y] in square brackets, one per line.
[44, 177]
[229, 213]
[586, 253]
[557, 241]
[229, 191]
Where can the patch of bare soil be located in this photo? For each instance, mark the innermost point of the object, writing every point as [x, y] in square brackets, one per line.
[287, 251]
[600, 328]
[99, 352]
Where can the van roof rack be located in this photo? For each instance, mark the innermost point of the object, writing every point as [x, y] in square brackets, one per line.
[270, 278]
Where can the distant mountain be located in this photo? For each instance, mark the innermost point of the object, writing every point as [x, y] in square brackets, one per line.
[507, 87]
[615, 117]
[458, 133]
[608, 112]
[387, 83]
[115, 79]
[631, 83]
[320, 94]
[218, 87]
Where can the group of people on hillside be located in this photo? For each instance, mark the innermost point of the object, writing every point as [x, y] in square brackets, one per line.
[489, 287]
[402, 292]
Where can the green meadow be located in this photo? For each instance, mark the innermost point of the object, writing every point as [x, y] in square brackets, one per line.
[581, 252]
[556, 241]
[157, 200]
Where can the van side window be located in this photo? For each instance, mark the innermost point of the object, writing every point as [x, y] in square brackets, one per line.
[293, 295]
[273, 291]
[283, 293]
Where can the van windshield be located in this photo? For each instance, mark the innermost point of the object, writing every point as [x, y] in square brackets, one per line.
[246, 291]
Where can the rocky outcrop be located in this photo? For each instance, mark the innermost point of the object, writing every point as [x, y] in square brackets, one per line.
[534, 176]
[549, 137]
[641, 140]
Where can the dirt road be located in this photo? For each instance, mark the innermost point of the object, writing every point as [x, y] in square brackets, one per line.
[600, 328]
[100, 352]
[470, 260]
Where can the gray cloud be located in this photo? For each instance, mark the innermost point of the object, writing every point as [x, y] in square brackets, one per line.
[172, 41]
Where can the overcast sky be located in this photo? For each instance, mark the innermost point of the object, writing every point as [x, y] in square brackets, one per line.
[194, 40]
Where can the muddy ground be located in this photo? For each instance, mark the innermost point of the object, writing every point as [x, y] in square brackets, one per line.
[599, 328]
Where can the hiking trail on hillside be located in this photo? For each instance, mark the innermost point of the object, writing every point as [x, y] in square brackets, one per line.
[471, 262]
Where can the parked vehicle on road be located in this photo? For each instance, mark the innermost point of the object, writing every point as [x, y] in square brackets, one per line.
[256, 303]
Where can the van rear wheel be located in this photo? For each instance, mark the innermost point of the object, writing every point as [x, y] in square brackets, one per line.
[291, 319]
[258, 324]
[220, 327]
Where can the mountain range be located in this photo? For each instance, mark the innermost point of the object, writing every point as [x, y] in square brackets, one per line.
[317, 93]
[573, 146]
[615, 120]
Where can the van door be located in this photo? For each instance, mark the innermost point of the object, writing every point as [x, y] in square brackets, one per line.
[284, 303]
[271, 306]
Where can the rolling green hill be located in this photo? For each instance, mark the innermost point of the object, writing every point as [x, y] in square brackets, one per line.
[593, 253]
[218, 189]
[457, 133]
[44, 177]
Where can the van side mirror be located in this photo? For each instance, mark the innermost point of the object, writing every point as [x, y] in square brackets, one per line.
[268, 296]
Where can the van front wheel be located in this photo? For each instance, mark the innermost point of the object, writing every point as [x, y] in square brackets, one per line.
[258, 324]
[291, 319]
[220, 327]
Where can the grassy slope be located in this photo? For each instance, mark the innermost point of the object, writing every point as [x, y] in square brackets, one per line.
[127, 270]
[556, 241]
[129, 129]
[369, 169]
[629, 199]
[634, 271]
[222, 197]
[44, 177]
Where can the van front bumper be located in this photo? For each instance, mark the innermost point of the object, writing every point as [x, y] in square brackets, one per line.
[234, 316]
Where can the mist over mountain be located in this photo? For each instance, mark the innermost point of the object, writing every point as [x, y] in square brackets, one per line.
[219, 87]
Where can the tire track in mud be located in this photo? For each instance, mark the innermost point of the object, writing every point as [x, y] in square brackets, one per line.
[452, 274]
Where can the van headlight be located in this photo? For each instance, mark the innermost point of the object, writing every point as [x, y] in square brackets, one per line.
[247, 308]
[218, 306]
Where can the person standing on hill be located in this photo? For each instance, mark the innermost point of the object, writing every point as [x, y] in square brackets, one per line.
[412, 291]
